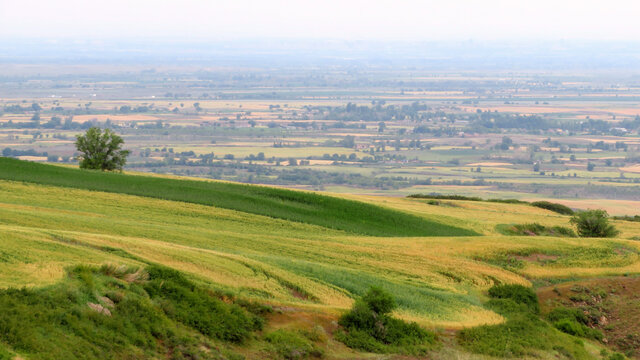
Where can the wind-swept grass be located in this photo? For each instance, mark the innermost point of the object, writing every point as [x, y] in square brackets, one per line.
[332, 212]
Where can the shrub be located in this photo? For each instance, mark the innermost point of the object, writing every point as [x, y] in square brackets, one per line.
[575, 328]
[559, 231]
[507, 201]
[518, 293]
[573, 322]
[558, 208]
[369, 327]
[462, 197]
[507, 306]
[562, 312]
[444, 197]
[594, 223]
[379, 301]
[535, 229]
[635, 218]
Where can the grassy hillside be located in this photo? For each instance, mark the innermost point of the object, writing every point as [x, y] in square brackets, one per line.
[251, 255]
[332, 212]
[122, 313]
[308, 272]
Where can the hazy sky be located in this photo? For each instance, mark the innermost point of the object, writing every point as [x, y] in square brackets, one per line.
[338, 19]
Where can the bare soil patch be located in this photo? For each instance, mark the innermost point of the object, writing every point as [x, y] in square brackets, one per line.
[611, 304]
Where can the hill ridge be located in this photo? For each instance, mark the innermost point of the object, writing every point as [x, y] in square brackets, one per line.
[324, 210]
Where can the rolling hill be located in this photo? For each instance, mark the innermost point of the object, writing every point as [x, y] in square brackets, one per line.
[305, 255]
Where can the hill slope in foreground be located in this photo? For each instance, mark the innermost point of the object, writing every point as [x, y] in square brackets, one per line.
[307, 256]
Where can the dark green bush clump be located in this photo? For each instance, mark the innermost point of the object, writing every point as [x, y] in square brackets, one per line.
[369, 327]
[518, 294]
[444, 197]
[574, 328]
[573, 322]
[536, 229]
[507, 201]
[558, 208]
[594, 223]
[635, 218]
[562, 312]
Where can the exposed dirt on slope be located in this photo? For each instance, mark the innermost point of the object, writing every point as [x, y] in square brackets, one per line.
[611, 304]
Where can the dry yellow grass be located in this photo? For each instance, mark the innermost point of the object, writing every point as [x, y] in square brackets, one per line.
[632, 168]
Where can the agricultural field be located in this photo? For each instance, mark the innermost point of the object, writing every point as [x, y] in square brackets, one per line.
[532, 136]
[306, 270]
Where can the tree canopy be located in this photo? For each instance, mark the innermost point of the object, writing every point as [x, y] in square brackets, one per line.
[101, 150]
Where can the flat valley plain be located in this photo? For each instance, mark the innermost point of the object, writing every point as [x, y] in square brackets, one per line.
[572, 138]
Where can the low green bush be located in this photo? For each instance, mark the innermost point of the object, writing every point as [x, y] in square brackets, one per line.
[634, 218]
[518, 293]
[507, 306]
[444, 197]
[369, 327]
[562, 312]
[535, 229]
[508, 201]
[573, 322]
[558, 208]
[572, 327]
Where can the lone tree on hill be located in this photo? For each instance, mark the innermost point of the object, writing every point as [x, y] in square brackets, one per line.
[101, 150]
[594, 223]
